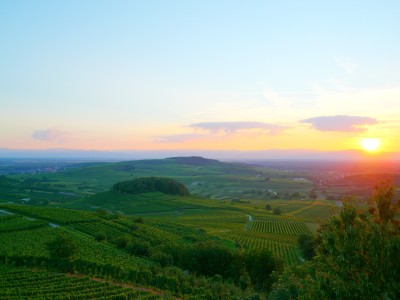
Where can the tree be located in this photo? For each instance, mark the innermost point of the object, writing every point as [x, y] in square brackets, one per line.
[260, 264]
[151, 184]
[313, 195]
[295, 195]
[277, 211]
[100, 237]
[306, 246]
[138, 220]
[139, 248]
[122, 242]
[386, 209]
[268, 207]
[62, 247]
[208, 258]
[357, 252]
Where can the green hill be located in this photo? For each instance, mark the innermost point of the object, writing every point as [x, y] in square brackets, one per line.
[195, 161]
[202, 177]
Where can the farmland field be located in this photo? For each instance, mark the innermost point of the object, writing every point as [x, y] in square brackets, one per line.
[280, 227]
[21, 283]
[144, 239]
[210, 179]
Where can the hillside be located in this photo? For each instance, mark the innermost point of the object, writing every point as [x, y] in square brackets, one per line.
[195, 161]
[149, 254]
[202, 177]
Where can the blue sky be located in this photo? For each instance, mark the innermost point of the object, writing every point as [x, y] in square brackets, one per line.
[139, 74]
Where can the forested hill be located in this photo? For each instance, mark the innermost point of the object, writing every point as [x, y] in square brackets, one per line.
[195, 161]
[151, 184]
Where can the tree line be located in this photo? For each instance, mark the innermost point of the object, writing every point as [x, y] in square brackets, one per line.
[151, 184]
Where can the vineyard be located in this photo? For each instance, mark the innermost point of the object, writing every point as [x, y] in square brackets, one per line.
[132, 246]
[100, 260]
[32, 243]
[215, 221]
[315, 212]
[24, 245]
[283, 227]
[211, 244]
[85, 222]
[111, 231]
[59, 215]
[21, 283]
[145, 203]
[284, 251]
[11, 223]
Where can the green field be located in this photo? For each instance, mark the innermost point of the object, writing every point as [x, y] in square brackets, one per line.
[143, 239]
[22, 283]
[210, 179]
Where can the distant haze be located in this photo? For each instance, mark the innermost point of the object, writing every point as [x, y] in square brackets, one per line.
[221, 155]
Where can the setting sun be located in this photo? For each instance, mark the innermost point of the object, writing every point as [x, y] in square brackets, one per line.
[370, 144]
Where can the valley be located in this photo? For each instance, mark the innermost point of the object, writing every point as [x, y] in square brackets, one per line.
[138, 236]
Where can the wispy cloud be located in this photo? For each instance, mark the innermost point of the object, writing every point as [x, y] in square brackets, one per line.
[52, 135]
[178, 138]
[232, 127]
[341, 123]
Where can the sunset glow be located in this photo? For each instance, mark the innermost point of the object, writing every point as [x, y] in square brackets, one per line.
[370, 144]
[189, 75]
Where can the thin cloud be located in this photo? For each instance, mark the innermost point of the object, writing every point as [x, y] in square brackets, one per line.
[340, 123]
[178, 138]
[232, 127]
[52, 135]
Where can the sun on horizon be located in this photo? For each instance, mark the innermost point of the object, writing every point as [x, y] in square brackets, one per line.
[371, 144]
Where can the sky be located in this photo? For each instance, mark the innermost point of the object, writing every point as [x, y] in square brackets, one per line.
[190, 75]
